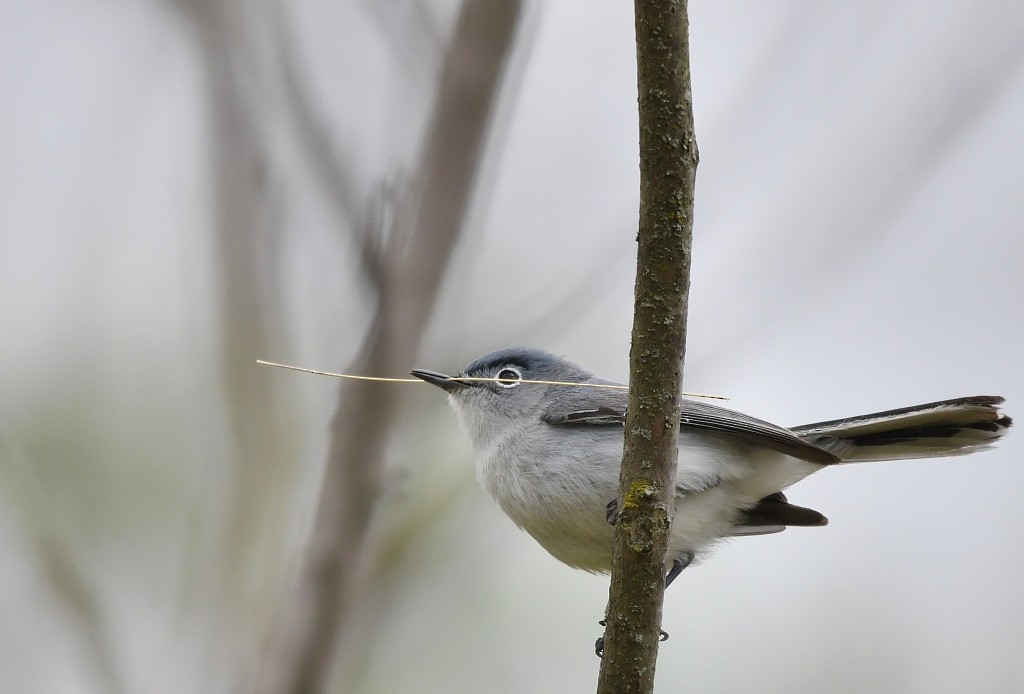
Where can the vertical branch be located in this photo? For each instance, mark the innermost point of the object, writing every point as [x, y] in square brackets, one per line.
[408, 278]
[246, 223]
[59, 565]
[668, 163]
[246, 229]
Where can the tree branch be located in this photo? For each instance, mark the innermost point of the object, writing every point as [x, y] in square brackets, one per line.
[668, 163]
[426, 229]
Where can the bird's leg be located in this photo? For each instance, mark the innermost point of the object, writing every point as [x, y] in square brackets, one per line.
[611, 512]
[678, 564]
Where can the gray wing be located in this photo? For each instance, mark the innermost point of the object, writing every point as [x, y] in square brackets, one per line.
[606, 408]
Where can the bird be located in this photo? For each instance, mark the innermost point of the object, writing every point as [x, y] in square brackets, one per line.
[550, 453]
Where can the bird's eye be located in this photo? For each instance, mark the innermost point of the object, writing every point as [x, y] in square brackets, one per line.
[509, 377]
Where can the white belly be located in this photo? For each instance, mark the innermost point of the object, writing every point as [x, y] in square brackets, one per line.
[558, 494]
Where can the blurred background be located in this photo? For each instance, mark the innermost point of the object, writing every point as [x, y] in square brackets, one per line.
[371, 186]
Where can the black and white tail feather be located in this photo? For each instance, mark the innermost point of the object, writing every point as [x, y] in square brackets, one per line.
[935, 429]
[948, 427]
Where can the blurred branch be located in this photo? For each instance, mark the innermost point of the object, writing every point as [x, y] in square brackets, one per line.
[668, 165]
[331, 170]
[243, 528]
[426, 227]
[56, 552]
[417, 41]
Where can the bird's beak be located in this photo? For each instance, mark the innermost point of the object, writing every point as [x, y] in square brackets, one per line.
[442, 381]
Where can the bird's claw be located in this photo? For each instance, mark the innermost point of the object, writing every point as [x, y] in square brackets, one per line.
[599, 644]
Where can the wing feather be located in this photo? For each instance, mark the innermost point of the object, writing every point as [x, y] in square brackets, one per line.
[604, 408]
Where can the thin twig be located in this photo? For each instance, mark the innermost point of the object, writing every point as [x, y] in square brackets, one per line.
[668, 163]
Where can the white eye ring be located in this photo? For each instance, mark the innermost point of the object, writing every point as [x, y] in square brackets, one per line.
[507, 373]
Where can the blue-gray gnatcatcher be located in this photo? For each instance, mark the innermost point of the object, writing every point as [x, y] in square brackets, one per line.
[550, 455]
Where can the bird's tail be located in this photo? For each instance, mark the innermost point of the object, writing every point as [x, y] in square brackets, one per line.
[948, 427]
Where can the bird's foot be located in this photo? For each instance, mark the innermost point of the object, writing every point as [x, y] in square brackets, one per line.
[599, 644]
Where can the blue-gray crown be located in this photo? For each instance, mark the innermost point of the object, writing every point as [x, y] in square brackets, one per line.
[534, 363]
